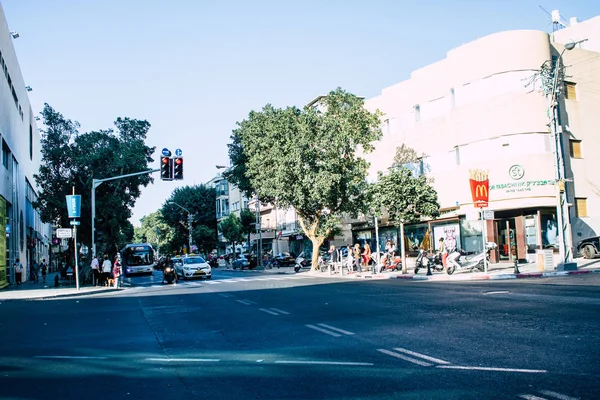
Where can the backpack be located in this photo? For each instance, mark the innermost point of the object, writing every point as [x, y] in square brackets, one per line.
[44, 268]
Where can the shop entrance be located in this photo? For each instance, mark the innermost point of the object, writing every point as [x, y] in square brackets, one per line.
[505, 230]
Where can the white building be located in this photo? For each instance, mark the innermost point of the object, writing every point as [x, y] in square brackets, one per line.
[22, 235]
[480, 107]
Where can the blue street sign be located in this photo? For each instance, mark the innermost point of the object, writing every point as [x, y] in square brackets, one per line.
[166, 152]
[178, 152]
[74, 206]
[75, 223]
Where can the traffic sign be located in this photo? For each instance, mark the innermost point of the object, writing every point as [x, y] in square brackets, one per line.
[488, 214]
[178, 152]
[64, 233]
[75, 223]
[166, 152]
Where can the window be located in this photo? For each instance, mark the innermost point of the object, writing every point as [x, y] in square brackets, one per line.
[30, 142]
[581, 207]
[570, 92]
[417, 113]
[452, 98]
[457, 151]
[5, 154]
[575, 148]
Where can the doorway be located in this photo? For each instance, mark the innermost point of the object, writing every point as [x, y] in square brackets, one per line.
[505, 229]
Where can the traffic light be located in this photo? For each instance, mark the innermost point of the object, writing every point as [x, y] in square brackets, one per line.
[178, 168]
[166, 168]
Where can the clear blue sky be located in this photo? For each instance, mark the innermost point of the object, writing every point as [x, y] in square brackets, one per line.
[192, 68]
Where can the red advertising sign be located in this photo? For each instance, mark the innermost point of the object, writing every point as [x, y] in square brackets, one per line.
[480, 187]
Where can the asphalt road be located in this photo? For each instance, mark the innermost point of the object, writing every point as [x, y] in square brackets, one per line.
[259, 336]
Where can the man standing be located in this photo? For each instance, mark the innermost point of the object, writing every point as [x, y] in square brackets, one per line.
[44, 268]
[95, 270]
[18, 271]
[106, 270]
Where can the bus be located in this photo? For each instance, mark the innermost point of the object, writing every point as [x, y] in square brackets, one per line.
[137, 258]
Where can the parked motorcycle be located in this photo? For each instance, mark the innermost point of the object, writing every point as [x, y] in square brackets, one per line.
[302, 263]
[458, 260]
[424, 258]
[389, 264]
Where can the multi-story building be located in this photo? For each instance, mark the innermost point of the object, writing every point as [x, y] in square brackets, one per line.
[22, 234]
[221, 186]
[482, 107]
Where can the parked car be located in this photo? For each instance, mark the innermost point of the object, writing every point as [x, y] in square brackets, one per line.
[193, 267]
[284, 260]
[589, 247]
[241, 262]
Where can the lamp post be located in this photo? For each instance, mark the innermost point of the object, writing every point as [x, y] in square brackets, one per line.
[189, 223]
[552, 91]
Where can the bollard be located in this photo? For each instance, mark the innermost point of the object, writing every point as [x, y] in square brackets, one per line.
[56, 282]
[429, 269]
[513, 251]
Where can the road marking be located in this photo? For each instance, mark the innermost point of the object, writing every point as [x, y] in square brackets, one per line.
[405, 358]
[333, 328]
[323, 330]
[556, 395]
[183, 359]
[531, 397]
[244, 302]
[323, 363]
[497, 292]
[279, 311]
[412, 353]
[213, 282]
[531, 371]
[268, 311]
[73, 357]
[225, 295]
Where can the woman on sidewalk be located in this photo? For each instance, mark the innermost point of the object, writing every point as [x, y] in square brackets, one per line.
[18, 271]
[117, 271]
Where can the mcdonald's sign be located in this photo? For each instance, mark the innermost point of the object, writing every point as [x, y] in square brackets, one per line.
[480, 187]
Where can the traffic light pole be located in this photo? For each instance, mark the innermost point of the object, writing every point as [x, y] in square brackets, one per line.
[95, 184]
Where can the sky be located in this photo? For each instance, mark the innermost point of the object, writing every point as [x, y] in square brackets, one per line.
[193, 68]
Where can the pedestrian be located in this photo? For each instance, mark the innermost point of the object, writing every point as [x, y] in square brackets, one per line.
[349, 258]
[106, 270]
[18, 271]
[366, 255]
[444, 251]
[117, 272]
[333, 257]
[35, 272]
[44, 268]
[357, 257]
[95, 270]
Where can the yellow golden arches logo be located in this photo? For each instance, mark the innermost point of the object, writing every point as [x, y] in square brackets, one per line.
[481, 191]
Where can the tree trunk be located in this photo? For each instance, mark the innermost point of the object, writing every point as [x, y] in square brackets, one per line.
[316, 242]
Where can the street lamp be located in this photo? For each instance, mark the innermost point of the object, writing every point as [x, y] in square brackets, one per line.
[562, 206]
[189, 222]
[14, 34]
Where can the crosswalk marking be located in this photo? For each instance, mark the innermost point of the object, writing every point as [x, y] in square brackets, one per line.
[558, 396]
[423, 356]
[268, 311]
[405, 358]
[336, 329]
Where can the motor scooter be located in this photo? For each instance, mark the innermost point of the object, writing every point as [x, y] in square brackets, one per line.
[424, 259]
[302, 263]
[388, 263]
[458, 260]
[169, 274]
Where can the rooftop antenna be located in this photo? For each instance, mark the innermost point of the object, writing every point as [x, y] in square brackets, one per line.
[556, 19]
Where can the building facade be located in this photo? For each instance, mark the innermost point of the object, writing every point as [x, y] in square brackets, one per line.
[22, 234]
[482, 107]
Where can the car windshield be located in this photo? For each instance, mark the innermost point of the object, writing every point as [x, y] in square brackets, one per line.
[194, 260]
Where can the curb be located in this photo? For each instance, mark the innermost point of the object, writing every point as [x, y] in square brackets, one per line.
[62, 295]
[475, 277]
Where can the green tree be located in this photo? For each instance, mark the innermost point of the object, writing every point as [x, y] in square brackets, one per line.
[155, 231]
[70, 160]
[308, 159]
[232, 230]
[406, 198]
[199, 200]
[248, 221]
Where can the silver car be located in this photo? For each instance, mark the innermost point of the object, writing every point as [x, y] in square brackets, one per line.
[193, 267]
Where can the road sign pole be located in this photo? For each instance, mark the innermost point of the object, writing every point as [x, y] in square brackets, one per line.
[76, 260]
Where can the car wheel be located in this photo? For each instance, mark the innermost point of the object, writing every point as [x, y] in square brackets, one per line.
[209, 277]
[589, 251]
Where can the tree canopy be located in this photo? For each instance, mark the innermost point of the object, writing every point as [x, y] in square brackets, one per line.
[72, 160]
[308, 159]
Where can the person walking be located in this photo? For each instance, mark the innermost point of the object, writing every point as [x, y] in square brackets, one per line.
[444, 251]
[366, 255]
[106, 270]
[35, 272]
[18, 271]
[357, 256]
[95, 265]
[44, 268]
[117, 271]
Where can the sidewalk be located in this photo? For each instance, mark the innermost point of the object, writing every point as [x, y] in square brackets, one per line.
[29, 290]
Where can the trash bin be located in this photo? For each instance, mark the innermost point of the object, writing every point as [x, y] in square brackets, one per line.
[545, 260]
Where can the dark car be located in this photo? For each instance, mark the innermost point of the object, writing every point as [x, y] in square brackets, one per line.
[589, 247]
[284, 259]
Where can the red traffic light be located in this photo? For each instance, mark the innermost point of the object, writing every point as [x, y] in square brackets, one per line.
[165, 160]
[178, 161]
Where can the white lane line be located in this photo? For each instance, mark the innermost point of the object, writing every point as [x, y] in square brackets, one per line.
[423, 356]
[557, 395]
[183, 359]
[268, 311]
[530, 371]
[277, 310]
[323, 363]
[213, 282]
[73, 357]
[333, 328]
[316, 328]
[226, 295]
[405, 358]
[497, 292]
[244, 302]
[250, 301]
[531, 397]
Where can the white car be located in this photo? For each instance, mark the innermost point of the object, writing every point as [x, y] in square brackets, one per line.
[193, 267]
